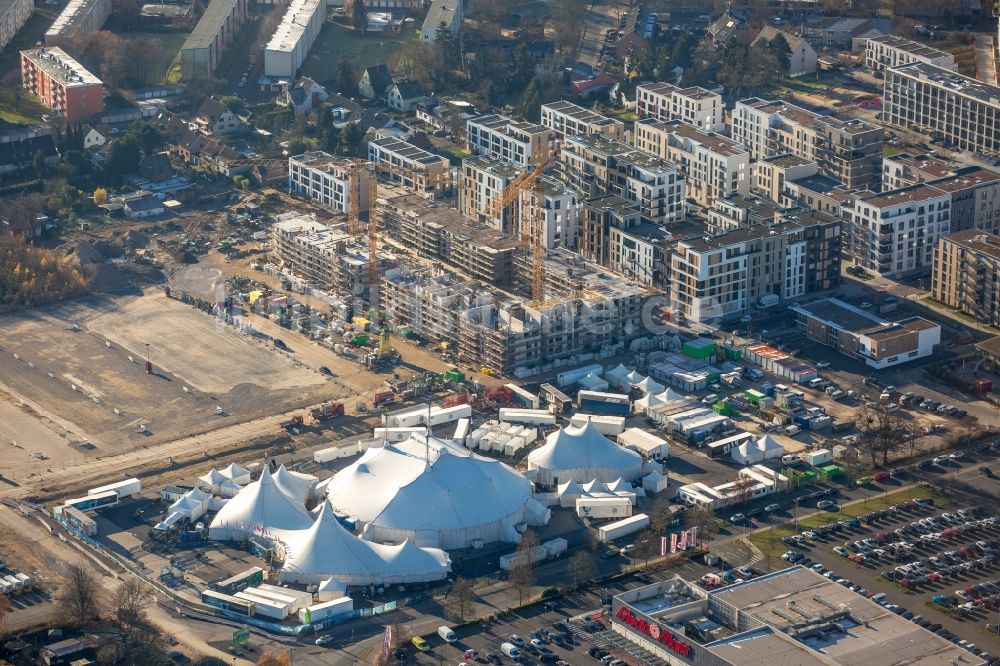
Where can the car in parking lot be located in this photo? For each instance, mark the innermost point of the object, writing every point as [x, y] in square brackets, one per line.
[771, 508]
[826, 504]
[737, 518]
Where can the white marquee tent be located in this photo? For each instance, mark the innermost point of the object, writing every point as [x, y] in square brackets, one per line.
[237, 474]
[294, 484]
[327, 550]
[191, 505]
[217, 483]
[618, 377]
[435, 493]
[752, 452]
[582, 454]
[648, 386]
[259, 505]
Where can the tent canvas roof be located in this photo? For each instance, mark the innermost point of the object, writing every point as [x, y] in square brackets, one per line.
[768, 443]
[621, 372]
[649, 386]
[294, 484]
[262, 504]
[213, 478]
[234, 471]
[573, 447]
[570, 488]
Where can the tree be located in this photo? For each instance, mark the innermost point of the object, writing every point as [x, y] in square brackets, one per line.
[4, 611]
[582, 567]
[359, 15]
[782, 52]
[100, 196]
[531, 103]
[353, 141]
[702, 517]
[522, 67]
[882, 431]
[79, 595]
[567, 21]
[268, 658]
[529, 540]
[683, 52]
[460, 598]
[347, 78]
[521, 579]
[647, 545]
[132, 598]
[234, 104]
[123, 157]
[127, 12]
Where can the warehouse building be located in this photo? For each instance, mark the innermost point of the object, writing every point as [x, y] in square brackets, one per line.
[293, 38]
[79, 17]
[860, 334]
[792, 617]
[213, 34]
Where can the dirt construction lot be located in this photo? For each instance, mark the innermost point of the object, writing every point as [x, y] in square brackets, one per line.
[72, 380]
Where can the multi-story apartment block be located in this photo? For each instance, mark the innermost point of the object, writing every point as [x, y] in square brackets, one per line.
[569, 119]
[215, 31]
[439, 233]
[13, 15]
[962, 112]
[695, 106]
[320, 253]
[61, 83]
[294, 36]
[483, 179]
[714, 278]
[772, 175]
[975, 199]
[903, 169]
[848, 150]
[887, 51]
[411, 166]
[817, 192]
[325, 179]
[638, 253]
[712, 165]
[510, 140]
[599, 216]
[862, 335]
[966, 274]
[732, 213]
[894, 233]
[597, 165]
[79, 17]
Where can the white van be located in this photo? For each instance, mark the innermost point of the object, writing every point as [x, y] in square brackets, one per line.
[792, 430]
[817, 383]
[447, 634]
[755, 373]
[511, 650]
[789, 459]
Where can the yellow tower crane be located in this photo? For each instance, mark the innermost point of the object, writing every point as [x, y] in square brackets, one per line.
[531, 218]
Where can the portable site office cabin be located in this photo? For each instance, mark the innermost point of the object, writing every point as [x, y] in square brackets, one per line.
[644, 443]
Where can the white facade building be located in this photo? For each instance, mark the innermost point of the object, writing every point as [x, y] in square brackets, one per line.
[509, 140]
[293, 38]
[324, 178]
[569, 119]
[695, 106]
[887, 51]
[713, 165]
[894, 233]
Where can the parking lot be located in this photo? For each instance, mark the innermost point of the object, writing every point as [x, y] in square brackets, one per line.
[909, 556]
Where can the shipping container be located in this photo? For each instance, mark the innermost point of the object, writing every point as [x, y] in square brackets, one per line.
[14, 582]
[462, 430]
[79, 520]
[531, 556]
[92, 502]
[325, 610]
[293, 603]
[699, 348]
[721, 448]
[335, 453]
[536, 417]
[227, 602]
[819, 457]
[251, 576]
[400, 434]
[611, 426]
[26, 582]
[266, 608]
[126, 488]
[603, 507]
[555, 547]
[524, 398]
[621, 528]
[604, 403]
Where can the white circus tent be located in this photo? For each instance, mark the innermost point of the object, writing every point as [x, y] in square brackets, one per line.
[434, 493]
[327, 550]
[259, 505]
[582, 454]
[295, 484]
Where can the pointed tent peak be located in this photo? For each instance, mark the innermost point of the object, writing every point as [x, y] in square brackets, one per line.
[768, 442]
[265, 477]
[570, 488]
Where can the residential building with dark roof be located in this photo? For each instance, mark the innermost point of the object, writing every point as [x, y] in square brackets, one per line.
[966, 274]
[375, 81]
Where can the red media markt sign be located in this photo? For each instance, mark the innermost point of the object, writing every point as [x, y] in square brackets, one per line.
[655, 632]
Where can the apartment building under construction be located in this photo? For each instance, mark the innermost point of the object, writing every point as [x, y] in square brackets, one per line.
[489, 328]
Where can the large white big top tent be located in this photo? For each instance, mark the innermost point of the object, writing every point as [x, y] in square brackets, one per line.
[259, 505]
[328, 550]
[582, 454]
[434, 493]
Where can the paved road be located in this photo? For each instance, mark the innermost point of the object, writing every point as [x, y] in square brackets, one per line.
[986, 63]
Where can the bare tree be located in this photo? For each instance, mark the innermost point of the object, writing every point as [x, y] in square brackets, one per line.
[704, 518]
[79, 595]
[743, 489]
[269, 658]
[521, 580]
[661, 515]
[132, 598]
[883, 431]
[647, 545]
[528, 541]
[460, 598]
[4, 610]
[582, 567]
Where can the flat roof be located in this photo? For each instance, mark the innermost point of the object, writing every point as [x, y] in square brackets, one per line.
[910, 46]
[441, 11]
[508, 126]
[911, 194]
[743, 234]
[802, 116]
[945, 78]
[496, 167]
[608, 147]
[407, 150]
[928, 164]
[977, 241]
[909, 325]
[818, 182]
[582, 114]
[293, 24]
[710, 140]
[837, 623]
[60, 66]
[71, 15]
[840, 314]
[787, 160]
[209, 24]
[966, 178]
[692, 92]
[763, 646]
[452, 222]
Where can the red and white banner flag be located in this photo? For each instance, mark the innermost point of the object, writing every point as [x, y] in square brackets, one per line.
[684, 540]
[673, 543]
[387, 640]
[663, 546]
[694, 536]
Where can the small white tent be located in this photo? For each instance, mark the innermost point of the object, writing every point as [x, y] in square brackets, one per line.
[648, 386]
[568, 492]
[237, 474]
[753, 452]
[212, 481]
[295, 484]
[582, 454]
[593, 382]
[258, 505]
[618, 377]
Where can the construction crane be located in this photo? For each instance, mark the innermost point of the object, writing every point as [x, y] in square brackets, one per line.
[531, 220]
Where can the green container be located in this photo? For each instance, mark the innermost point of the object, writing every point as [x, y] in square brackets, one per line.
[722, 408]
[454, 375]
[409, 335]
[699, 348]
[830, 471]
[733, 353]
[360, 340]
[714, 377]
